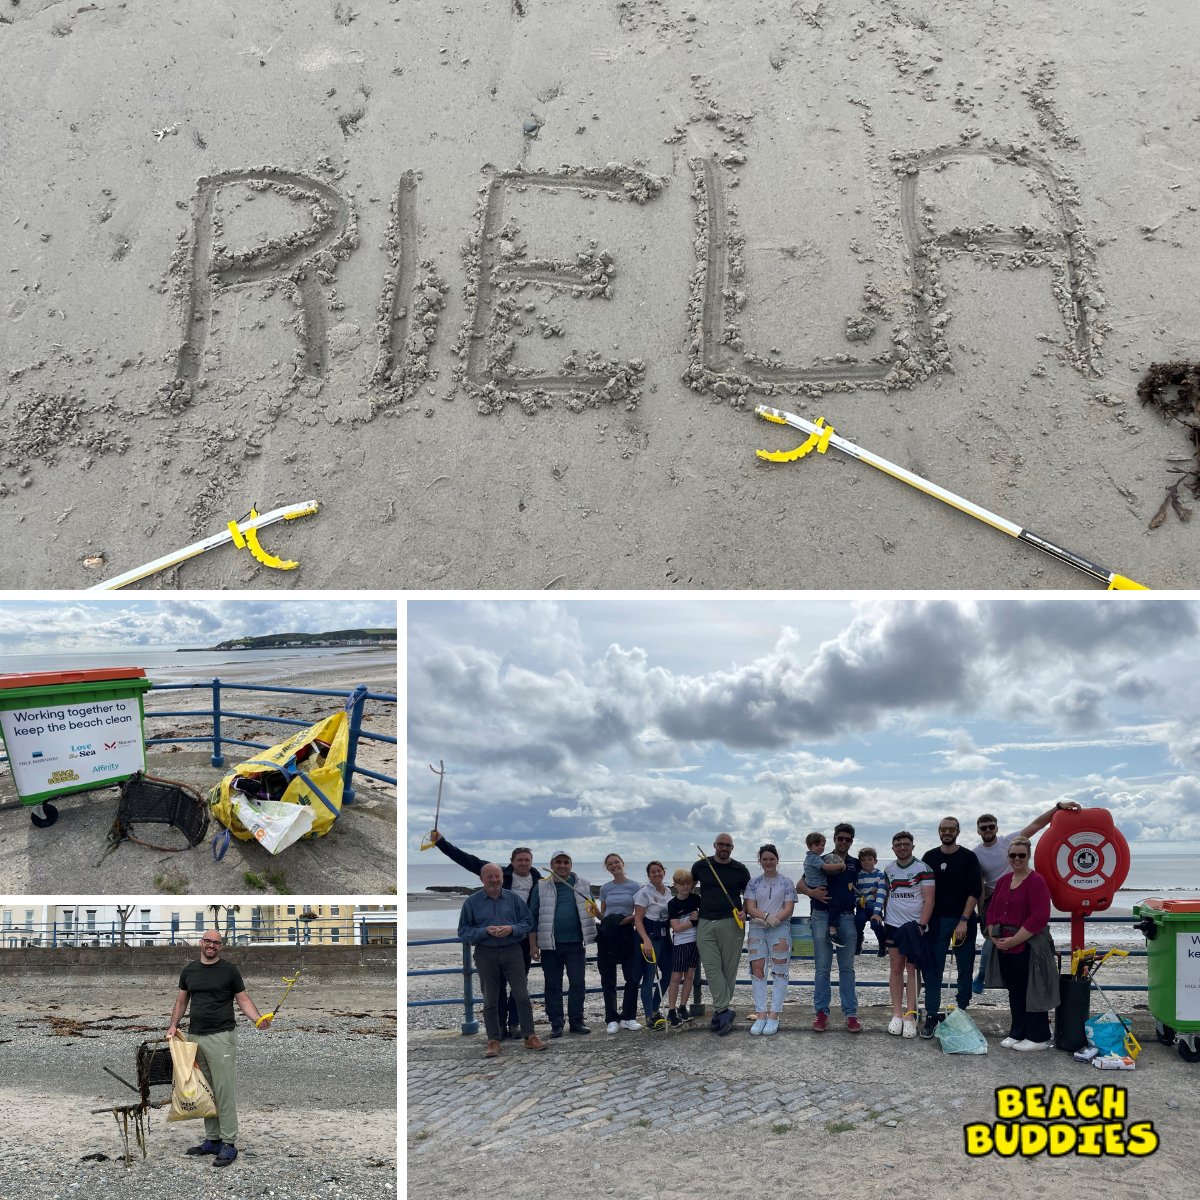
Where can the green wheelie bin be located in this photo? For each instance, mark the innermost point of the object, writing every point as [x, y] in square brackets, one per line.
[1172, 931]
[71, 731]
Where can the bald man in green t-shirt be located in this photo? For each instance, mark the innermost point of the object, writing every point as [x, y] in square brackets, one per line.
[213, 986]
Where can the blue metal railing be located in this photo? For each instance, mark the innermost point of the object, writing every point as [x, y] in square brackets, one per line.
[355, 702]
[53, 935]
[470, 1024]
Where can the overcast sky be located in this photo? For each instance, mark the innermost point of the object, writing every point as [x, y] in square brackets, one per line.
[647, 725]
[47, 626]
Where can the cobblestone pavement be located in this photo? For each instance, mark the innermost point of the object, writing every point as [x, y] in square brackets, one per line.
[609, 1085]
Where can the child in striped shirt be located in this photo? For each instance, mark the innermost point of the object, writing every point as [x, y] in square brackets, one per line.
[872, 888]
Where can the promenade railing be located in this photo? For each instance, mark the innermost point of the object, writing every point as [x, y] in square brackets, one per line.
[354, 701]
[466, 972]
[74, 934]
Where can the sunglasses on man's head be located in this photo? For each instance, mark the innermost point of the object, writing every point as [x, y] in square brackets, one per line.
[1019, 854]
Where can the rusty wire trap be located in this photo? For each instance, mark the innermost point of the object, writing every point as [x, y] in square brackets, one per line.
[145, 798]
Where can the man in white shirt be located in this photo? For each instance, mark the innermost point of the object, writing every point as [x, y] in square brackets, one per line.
[992, 852]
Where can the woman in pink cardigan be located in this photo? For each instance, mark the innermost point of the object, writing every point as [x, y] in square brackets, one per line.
[1018, 925]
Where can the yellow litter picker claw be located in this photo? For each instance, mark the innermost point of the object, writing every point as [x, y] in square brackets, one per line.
[816, 441]
[822, 436]
[249, 541]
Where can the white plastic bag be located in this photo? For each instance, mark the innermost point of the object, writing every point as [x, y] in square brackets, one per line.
[275, 825]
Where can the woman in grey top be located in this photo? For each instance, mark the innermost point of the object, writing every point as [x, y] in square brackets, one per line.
[617, 945]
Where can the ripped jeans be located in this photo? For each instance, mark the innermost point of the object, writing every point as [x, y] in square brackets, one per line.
[773, 949]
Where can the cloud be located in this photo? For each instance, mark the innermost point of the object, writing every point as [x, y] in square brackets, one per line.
[574, 737]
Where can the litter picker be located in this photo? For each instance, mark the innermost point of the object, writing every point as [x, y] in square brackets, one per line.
[821, 437]
[241, 533]
[440, 771]
[291, 980]
[652, 962]
[593, 909]
[737, 916]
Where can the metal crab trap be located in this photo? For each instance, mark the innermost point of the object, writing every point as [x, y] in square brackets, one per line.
[146, 799]
[154, 1068]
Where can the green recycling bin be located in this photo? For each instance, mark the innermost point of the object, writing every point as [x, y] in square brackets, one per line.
[70, 731]
[1172, 931]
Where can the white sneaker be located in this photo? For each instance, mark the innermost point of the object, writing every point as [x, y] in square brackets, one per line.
[1009, 1043]
[772, 1026]
[631, 1025]
[909, 1027]
[614, 1026]
[896, 1026]
[758, 1026]
[1026, 1044]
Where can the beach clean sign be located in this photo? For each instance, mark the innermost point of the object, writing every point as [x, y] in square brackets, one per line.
[71, 747]
[1187, 976]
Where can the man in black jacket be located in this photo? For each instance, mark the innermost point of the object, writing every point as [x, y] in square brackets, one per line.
[520, 876]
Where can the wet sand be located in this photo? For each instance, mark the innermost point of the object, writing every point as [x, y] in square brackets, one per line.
[500, 288]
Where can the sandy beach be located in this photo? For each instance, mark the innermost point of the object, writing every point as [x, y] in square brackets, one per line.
[499, 287]
[334, 1051]
[358, 856]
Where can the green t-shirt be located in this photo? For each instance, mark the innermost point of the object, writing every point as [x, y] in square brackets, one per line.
[212, 989]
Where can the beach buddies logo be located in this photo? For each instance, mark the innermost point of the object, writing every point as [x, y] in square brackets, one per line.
[1090, 1122]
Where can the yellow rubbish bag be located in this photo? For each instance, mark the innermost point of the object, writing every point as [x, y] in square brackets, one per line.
[306, 770]
[191, 1095]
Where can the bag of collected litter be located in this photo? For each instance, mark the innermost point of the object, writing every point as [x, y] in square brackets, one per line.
[274, 825]
[304, 771]
[959, 1035]
[191, 1095]
[1107, 1033]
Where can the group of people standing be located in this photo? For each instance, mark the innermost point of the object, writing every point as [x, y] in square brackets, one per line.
[922, 910]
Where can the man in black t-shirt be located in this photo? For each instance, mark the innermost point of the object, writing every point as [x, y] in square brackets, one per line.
[213, 986]
[958, 884]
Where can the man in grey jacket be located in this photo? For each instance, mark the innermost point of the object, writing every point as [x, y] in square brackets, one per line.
[496, 922]
[564, 925]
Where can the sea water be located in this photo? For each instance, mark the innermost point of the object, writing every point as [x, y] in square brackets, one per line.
[1172, 876]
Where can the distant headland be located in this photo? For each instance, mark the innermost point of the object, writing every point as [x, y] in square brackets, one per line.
[303, 641]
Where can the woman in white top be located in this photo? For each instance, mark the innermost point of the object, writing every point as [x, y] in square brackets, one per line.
[769, 902]
[650, 921]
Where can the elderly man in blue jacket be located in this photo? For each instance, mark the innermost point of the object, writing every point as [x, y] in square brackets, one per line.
[496, 922]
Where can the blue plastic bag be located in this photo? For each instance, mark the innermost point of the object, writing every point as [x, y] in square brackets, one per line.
[1107, 1033]
[958, 1034]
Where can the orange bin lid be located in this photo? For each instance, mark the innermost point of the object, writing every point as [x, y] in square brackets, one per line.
[1172, 906]
[50, 678]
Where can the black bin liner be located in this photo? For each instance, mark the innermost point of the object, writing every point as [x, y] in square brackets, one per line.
[1074, 1005]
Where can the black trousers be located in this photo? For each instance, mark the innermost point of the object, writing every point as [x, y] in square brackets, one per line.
[498, 967]
[624, 951]
[1023, 1024]
[571, 958]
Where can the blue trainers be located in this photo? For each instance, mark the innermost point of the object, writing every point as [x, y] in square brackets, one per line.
[225, 1155]
[977, 986]
[205, 1147]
